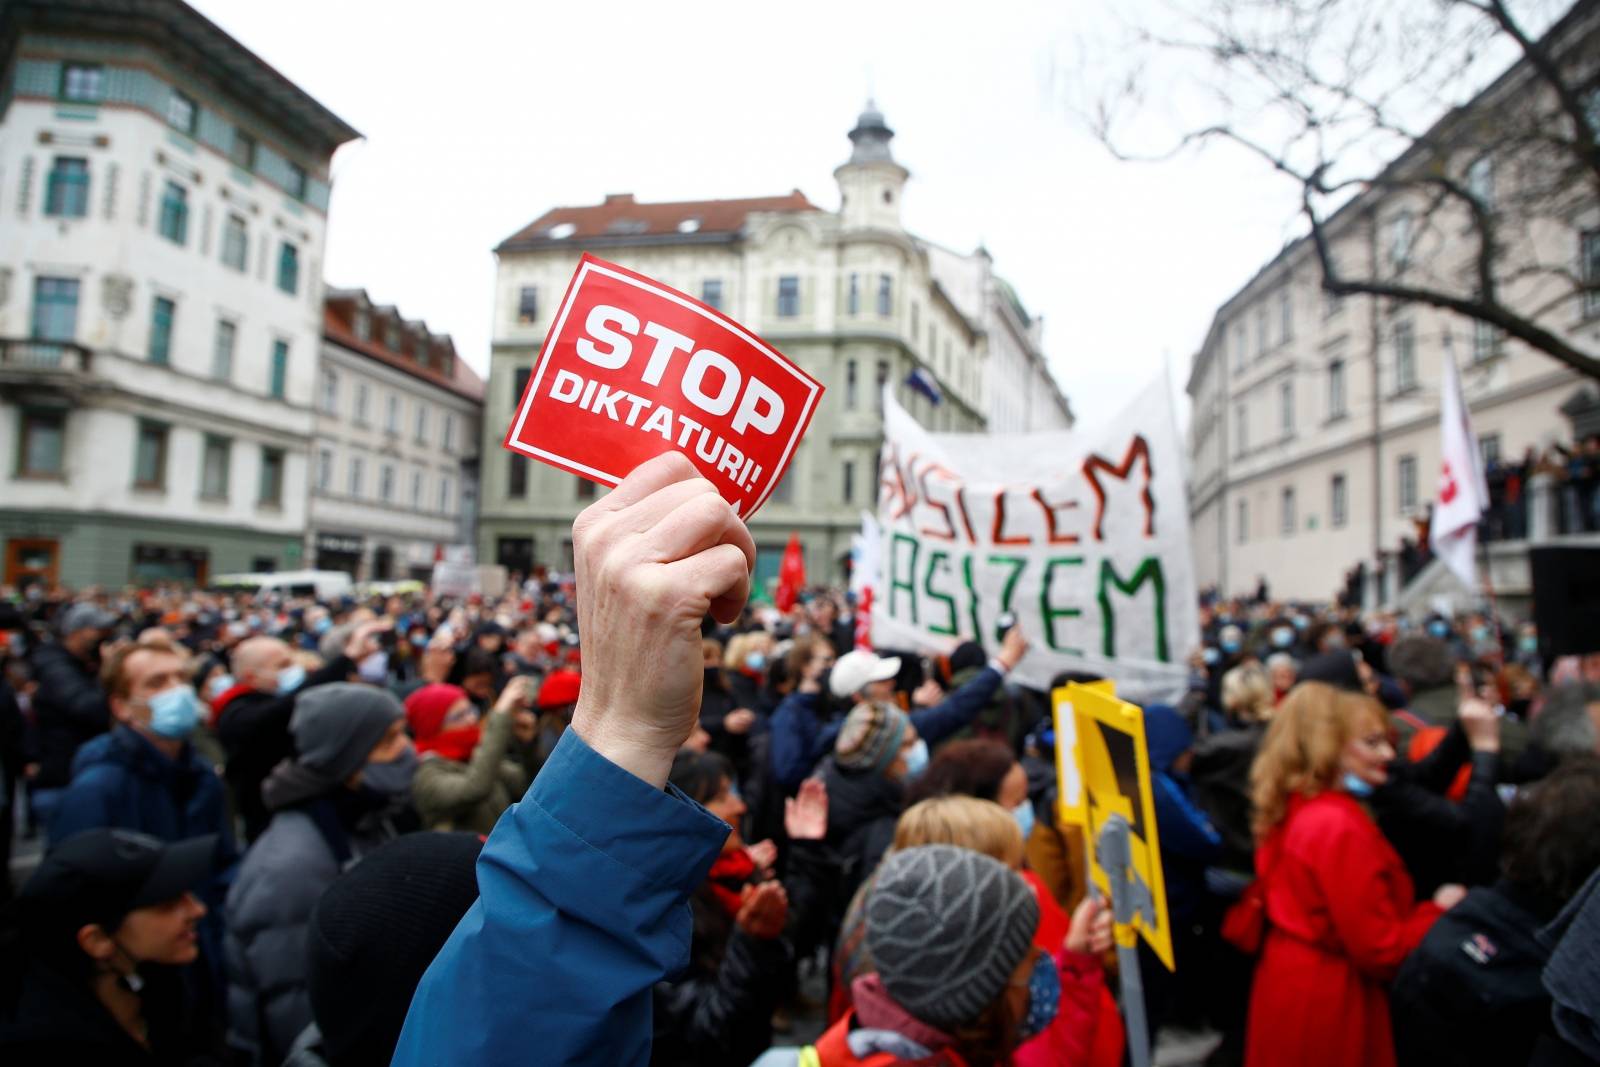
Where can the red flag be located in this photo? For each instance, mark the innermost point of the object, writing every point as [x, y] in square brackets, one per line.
[864, 620]
[791, 575]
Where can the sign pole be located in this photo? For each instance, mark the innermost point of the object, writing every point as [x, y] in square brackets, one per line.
[1116, 859]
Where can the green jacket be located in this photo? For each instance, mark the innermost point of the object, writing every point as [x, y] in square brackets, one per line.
[470, 796]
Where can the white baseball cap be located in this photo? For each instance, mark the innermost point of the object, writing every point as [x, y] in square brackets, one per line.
[854, 670]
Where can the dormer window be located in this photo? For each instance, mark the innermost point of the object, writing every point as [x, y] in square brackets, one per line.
[363, 326]
[391, 338]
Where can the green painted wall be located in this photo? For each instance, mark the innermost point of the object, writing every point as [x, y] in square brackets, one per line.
[97, 549]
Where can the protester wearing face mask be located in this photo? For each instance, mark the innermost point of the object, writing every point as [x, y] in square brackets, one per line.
[464, 780]
[745, 660]
[328, 805]
[106, 925]
[69, 705]
[251, 718]
[877, 753]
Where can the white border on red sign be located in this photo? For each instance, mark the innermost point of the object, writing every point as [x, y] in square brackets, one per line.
[812, 388]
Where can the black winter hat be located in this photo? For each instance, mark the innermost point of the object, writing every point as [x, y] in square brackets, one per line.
[374, 933]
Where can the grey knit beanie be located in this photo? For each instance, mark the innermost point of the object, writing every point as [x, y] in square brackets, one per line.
[947, 928]
[336, 726]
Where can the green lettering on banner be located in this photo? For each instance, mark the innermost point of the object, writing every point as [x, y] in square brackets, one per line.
[1017, 565]
[1149, 570]
[934, 559]
[972, 597]
[1050, 614]
[910, 583]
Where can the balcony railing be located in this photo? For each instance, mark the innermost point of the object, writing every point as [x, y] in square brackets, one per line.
[65, 357]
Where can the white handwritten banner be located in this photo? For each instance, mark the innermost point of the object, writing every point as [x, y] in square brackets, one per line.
[1084, 542]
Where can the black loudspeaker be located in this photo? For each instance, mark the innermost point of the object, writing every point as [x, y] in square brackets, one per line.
[1566, 600]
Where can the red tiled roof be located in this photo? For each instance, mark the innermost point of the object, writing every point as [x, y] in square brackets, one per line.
[621, 217]
[462, 380]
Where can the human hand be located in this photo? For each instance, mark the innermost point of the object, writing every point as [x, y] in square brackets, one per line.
[1448, 896]
[765, 907]
[653, 557]
[927, 694]
[364, 639]
[805, 817]
[1091, 928]
[739, 721]
[1013, 648]
[764, 853]
[1481, 724]
[518, 693]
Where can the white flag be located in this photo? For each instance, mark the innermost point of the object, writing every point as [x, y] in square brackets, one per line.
[1463, 492]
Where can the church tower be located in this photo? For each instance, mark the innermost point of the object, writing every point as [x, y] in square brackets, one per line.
[871, 183]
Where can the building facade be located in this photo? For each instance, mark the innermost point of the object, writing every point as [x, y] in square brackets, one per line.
[1314, 436]
[163, 205]
[394, 460]
[849, 295]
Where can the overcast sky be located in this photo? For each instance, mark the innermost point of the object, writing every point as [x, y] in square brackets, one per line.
[478, 116]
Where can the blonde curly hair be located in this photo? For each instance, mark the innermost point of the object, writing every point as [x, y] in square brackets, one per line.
[1301, 752]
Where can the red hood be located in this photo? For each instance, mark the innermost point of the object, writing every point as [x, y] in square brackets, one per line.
[225, 698]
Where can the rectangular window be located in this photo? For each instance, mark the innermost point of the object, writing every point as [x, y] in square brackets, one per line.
[1285, 315]
[1489, 448]
[1405, 357]
[1591, 273]
[162, 311]
[1287, 518]
[1286, 409]
[517, 478]
[885, 295]
[386, 483]
[1400, 238]
[174, 223]
[850, 385]
[235, 242]
[1480, 181]
[391, 338]
[297, 181]
[44, 435]
[1336, 389]
[243, 150]
[363, 397]
[222, 350]
[883, 376]
[391, 416]
[330, 391]
[289, 268]
[1242, 521]
[279, 379]
[848, 473]
[55, 309]
[788, 296]
[416, 489]
[527, 304]
[1241, 429]
[852, 301]
[149, 456]
[1407, 484]
[1338, 501]
[916, 311]
[519, 386]
[1261, 331]
[585, 489]
[446, 491]
[83, 83]
[180, 112]
[362, 324]
[1241, 346]
[449, 432]
[271, 489]
[422, 423]
[324, 469]
[67, 192]
[214, 461]
[711, 293]
[357, 471]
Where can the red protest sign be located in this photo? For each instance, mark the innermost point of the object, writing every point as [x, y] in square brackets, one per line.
[632, 368]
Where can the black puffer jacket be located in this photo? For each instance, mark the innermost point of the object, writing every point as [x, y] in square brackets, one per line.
[719, 1014]
[69, 708]
[863, 807]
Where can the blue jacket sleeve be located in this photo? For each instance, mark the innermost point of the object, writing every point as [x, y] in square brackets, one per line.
[959, 708]
[1184, 828]
[794, 740]
[582, 908]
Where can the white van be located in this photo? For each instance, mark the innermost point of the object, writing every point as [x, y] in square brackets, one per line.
[324, 585]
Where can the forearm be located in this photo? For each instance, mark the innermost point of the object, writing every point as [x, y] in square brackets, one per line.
[959, 709]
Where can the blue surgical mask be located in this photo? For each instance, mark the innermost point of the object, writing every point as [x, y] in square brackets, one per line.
[1230, 647]
[1480, 634]
[1023, 813]
[219, 685]
[1211, 656]
[392, 778]
[322, 625]
[1358, 787]
[1439, 628]
[756, 661]
[374, 669]
[1301, 622]
[1044, 998]
[175, 712]
[1528, 643]
[291, 678]
[916, 759]
[1282, 638]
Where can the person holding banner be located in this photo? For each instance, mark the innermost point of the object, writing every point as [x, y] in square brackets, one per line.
[1338, 906]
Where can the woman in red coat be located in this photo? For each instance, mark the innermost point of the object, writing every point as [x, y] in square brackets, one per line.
[1340, 909]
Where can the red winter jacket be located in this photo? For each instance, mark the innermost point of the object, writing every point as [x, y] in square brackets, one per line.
[1341, 917]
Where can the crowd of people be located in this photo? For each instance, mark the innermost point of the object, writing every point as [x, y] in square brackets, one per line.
[620, 816]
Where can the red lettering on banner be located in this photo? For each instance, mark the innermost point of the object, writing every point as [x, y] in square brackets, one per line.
[1051, 534]
[632, 369]
[999, 537]
[1138, 449]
